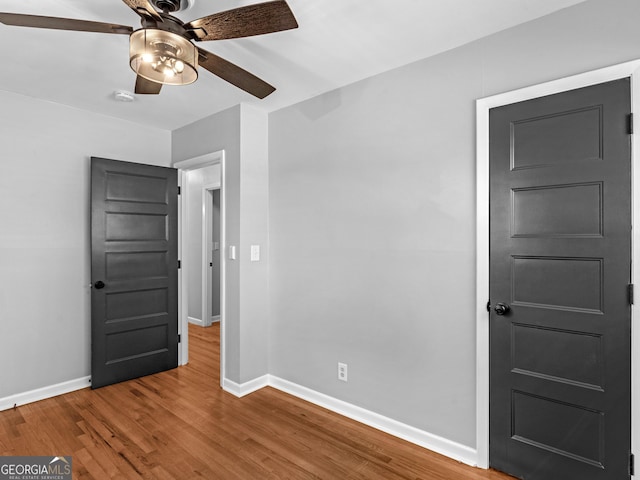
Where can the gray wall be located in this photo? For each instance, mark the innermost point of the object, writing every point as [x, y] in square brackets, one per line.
[362, 200]
[212, 134]
[241, 132]
[254, 230]
[372, 217]
[44, 236]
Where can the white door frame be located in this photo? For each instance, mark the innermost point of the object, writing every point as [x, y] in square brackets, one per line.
[183, 287]
[207, 272]
[629, 69]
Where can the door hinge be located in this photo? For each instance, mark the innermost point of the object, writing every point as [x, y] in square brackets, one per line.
[179, 264]
[632, 466]
[179, 338]
[179, 190]
[630, 293]
[630, 123]
[488, 305]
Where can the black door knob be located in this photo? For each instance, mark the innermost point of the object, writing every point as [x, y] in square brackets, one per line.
[99, 284]
[501, 309]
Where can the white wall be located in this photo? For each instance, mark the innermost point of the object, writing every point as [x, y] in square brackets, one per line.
[372, 217]
[197, 180]
[44, 233]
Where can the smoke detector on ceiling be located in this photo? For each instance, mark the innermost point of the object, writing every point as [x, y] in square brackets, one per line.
[123, 96]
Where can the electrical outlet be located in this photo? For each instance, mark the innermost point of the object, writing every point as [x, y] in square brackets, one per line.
[342, 371]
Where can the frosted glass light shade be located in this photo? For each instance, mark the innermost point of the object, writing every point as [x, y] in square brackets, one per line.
[163, 57]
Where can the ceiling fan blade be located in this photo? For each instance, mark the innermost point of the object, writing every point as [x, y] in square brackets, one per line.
[246, 21]
[234, 74]
[143, 8]
[57, 23]
[147, 87]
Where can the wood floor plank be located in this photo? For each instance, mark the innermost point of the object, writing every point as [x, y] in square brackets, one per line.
[181, 425]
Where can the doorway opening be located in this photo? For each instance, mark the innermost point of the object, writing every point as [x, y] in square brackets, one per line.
[199, 178]
[211, 271]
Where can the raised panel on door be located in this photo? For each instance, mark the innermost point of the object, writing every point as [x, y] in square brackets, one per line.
[560, 253]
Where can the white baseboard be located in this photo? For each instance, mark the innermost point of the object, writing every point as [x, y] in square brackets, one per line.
[42, 393]
[240, 390]
[443, 446]
[195, 321]
[451, 449]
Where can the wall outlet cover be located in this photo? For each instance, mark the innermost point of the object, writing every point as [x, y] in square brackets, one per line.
[342, 371]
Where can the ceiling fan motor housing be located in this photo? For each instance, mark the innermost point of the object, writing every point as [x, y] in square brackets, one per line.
[168, 5]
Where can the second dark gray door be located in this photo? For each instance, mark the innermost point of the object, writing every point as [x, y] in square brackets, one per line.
[134, 307]
[560, 256]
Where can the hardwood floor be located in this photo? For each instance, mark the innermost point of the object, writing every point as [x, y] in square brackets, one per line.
[181, 425]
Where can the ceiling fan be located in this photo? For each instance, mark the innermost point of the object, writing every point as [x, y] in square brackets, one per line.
[162, 51]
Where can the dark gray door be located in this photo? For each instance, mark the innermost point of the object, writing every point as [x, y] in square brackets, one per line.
[560, 232]
[134, 308]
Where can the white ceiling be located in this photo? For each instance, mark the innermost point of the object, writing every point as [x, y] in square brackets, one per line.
[338, 42]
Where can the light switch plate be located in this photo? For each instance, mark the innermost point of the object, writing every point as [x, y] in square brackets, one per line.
[255, 253]
[232, 252]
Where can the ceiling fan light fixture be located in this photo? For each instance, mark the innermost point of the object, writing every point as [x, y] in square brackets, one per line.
[163, 57]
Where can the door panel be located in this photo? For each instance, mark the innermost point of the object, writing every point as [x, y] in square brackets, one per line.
[536, 143]
[580, 216]
[134, 317]
[560, 256]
